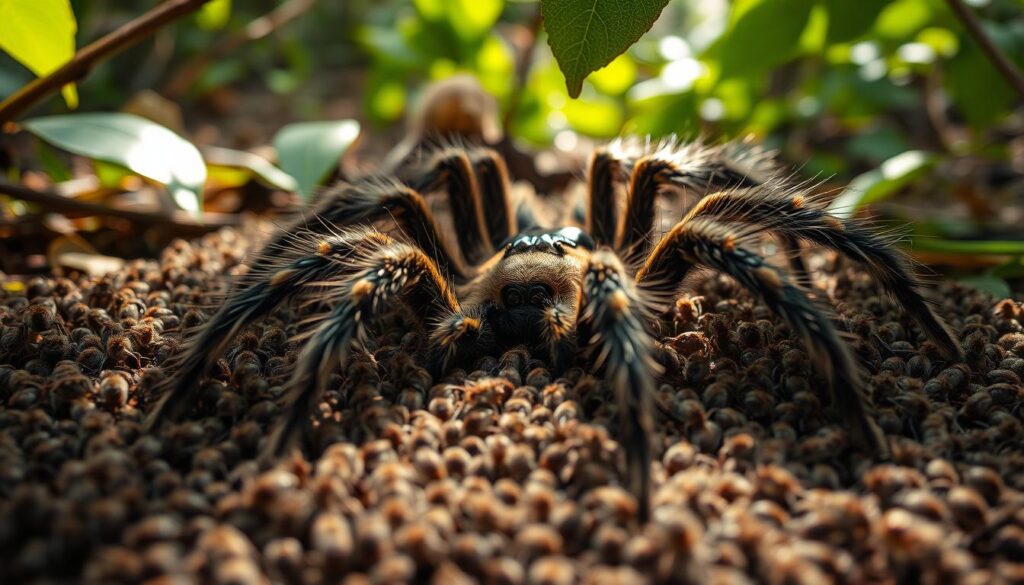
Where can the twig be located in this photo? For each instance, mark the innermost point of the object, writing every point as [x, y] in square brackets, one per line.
[56, 202]
[522, 70]
[185, 76]
[79, 66]
[994, 53]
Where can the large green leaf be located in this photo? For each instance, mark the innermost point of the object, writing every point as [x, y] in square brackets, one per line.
[309, 150]
[766, 35]
[886, 180]
[40, 34]
[586, 35]
[138, 144]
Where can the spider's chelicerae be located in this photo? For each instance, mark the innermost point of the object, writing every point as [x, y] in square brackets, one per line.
[562, 291]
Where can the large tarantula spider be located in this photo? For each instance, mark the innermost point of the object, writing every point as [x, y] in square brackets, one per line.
[558, 290]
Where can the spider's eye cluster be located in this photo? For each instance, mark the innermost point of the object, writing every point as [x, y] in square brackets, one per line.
[537, 294]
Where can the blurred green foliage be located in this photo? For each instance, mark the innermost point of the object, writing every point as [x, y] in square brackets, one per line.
[847, 89]
[861, 70]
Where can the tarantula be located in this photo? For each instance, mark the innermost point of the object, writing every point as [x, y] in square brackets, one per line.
[558, 290]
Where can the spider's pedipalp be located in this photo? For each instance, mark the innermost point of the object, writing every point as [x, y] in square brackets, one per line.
[257, 295]
[559, 329]
[388, 271]
[492, 179]
[611, 324]
[702, 242]
[798, 216]
[451, 170]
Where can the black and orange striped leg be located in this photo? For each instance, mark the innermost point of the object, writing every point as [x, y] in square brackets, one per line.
[388, 272]
[452, 171]
[310, 258]
[703, 242]
[612, 326]
[649, 176]
[796, 216]
[492, 178]
[374, 200]
[606, 180]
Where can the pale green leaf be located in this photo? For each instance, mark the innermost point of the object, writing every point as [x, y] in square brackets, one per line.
[40, 34]
[142, 146]
[882, 182]
[259, 166]
[308, 151]
[586, 35]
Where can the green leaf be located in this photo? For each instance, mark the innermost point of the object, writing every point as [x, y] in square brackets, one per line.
[259, 166]
[214, 15]
[766, 35]
[145, 147]
[586, 35]
[880, 183]
[40, 34]
[849, 20]
[902, 19]
[970, 247]
[308, 151]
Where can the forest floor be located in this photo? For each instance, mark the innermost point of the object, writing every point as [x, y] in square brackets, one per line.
[509, 472]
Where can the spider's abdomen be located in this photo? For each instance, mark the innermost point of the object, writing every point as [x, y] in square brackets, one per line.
[548, 240]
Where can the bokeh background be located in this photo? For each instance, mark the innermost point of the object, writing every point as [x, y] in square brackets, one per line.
[894, 99]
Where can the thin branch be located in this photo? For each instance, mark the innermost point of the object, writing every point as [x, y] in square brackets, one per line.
[55, 202]
[523, 64]
[994, 53]
[185, 77]
[79, 66]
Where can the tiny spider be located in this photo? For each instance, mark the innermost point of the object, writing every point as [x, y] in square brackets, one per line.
[561, 291]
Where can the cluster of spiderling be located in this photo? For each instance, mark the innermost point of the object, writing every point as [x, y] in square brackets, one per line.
[503, 471]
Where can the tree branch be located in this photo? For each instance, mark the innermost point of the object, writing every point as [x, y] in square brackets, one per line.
[994, 53]
[79, 66]
[55, 202]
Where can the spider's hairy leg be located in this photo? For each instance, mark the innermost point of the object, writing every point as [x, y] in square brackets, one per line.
[452, 170]
[717, 245]
[367, 201]
[492, 178]
[605, 180]
[798, 216]
[691, 166]
[611, 326]
[388, 271]
[321, 257]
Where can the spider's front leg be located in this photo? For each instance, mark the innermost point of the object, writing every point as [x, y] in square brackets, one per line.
[309, 258]
[797, 215]
[389, 271]
[703, 242]
[611, 328]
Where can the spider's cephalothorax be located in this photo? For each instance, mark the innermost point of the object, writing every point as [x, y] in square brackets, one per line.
[562, 292]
